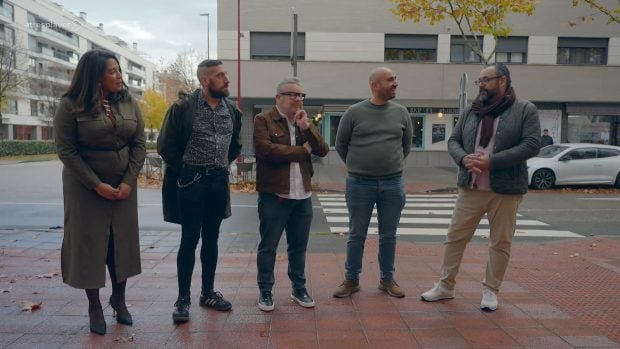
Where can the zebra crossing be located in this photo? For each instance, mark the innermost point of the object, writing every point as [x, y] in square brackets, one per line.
[429, 215]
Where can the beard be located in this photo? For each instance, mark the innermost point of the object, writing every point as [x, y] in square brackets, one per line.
[486, 96]
[223, 92]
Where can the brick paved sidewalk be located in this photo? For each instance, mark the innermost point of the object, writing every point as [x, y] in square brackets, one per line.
[556, 295]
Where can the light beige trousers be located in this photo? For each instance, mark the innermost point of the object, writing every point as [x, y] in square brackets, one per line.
[470, 207]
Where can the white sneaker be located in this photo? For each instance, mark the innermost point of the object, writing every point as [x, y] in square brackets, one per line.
[436, 293]
[489, 299]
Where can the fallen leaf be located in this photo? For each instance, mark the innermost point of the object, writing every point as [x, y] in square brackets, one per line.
[5, 290]
[555, 253]
[48, 275]
[122, 339]
[3, 276]
[593, 244]
[574, 255]
[30, 306]
[12, 281]
[36, 292]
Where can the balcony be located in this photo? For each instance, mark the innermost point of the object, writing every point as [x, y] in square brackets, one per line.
[46, 51]
[72, 40]
[136, 71]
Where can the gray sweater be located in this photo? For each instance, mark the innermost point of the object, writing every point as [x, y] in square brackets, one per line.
[374, 140]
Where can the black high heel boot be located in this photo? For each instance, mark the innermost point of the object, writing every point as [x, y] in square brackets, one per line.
[95, 313]
[122, 315]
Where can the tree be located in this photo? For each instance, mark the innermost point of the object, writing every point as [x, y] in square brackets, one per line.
[153, 107]
[184, 68]
[472, 17]
[612, 14]
[12, 78]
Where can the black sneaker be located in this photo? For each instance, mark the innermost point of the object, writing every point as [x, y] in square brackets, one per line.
[265, 301]
[215, 300]
[181, 310]
[302, 298]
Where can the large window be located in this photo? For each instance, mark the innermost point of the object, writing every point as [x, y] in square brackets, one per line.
[589, 129]
[511, 50]
[582, 51]
[276, 45]
[461, 52]
[411, 48]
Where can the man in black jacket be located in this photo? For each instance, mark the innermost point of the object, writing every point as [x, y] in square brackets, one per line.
[199, 139]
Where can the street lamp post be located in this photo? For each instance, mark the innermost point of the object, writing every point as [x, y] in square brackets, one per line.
[208, 48]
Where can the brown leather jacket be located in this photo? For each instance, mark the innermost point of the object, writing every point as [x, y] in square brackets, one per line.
[274, 152]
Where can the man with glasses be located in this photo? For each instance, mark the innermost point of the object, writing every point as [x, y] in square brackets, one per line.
[373, 139]
[284, 140]
[490, 143]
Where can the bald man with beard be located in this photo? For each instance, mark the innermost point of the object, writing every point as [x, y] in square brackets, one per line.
[373, 139]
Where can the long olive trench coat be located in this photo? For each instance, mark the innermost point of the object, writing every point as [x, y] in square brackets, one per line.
[93, 151]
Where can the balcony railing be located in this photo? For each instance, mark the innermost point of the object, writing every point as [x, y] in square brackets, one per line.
[52, 53]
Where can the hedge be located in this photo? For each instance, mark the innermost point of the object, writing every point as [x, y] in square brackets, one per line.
[16, 148]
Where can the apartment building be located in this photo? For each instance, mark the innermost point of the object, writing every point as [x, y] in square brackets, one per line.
[48, 41]
[568, 67]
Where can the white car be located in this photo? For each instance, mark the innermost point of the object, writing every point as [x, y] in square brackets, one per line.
[574, 163]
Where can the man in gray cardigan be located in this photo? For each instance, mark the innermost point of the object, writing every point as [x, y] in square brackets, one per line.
[373, 139]
[490, 143]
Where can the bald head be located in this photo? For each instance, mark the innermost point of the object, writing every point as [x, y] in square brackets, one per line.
[378, 73]
[382, 85]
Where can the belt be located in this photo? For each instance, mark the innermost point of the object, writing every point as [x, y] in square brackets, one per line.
[207, 170]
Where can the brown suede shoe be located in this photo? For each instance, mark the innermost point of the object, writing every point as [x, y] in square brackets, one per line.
[347, 288]
[391, 288]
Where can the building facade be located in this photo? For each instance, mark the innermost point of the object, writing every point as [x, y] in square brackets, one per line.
[569, 68]
[48, 41]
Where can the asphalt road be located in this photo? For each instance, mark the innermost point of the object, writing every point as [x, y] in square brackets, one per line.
[31, 198]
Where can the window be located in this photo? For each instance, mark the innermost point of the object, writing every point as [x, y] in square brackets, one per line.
[334, 121]
[511, 50]
[582, 51]
[607, 153]
[461, 52]
[6, 10]
[581, 154]
[34, 108]
[10, 107]
[411, 48]
[417, 121]
[276, 45]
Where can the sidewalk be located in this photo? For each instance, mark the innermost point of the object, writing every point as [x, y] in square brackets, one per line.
[556, 295]
[417, 179]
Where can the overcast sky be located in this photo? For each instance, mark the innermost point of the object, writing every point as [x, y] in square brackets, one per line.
[162, 28]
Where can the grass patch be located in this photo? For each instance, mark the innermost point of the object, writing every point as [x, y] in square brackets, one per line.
[30, 158]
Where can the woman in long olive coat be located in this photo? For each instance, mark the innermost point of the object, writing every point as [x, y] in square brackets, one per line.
[100, 140]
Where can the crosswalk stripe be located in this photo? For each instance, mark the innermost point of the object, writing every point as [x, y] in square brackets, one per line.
[479, 232]
[404, 212]
[424, 213]
[424, 220]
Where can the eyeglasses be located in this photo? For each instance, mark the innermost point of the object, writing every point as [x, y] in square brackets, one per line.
[485, 80]
[294, 95]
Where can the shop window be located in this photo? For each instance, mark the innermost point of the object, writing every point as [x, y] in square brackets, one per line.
[417, 140]
[589, 129]
[588, 51]
[511, 50]
[276, 45]
[410, 48]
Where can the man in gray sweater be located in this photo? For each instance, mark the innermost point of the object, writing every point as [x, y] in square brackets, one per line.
[373, 139]
[490, 143]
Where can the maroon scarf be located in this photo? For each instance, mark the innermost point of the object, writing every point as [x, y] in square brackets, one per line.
[488, 112]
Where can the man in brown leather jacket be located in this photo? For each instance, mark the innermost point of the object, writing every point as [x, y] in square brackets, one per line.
[284, 140]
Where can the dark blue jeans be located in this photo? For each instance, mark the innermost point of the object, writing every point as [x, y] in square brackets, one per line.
[203, 199]
[277, 214]
[361, 195]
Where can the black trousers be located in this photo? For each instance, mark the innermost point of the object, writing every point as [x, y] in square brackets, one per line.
[203, 198]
